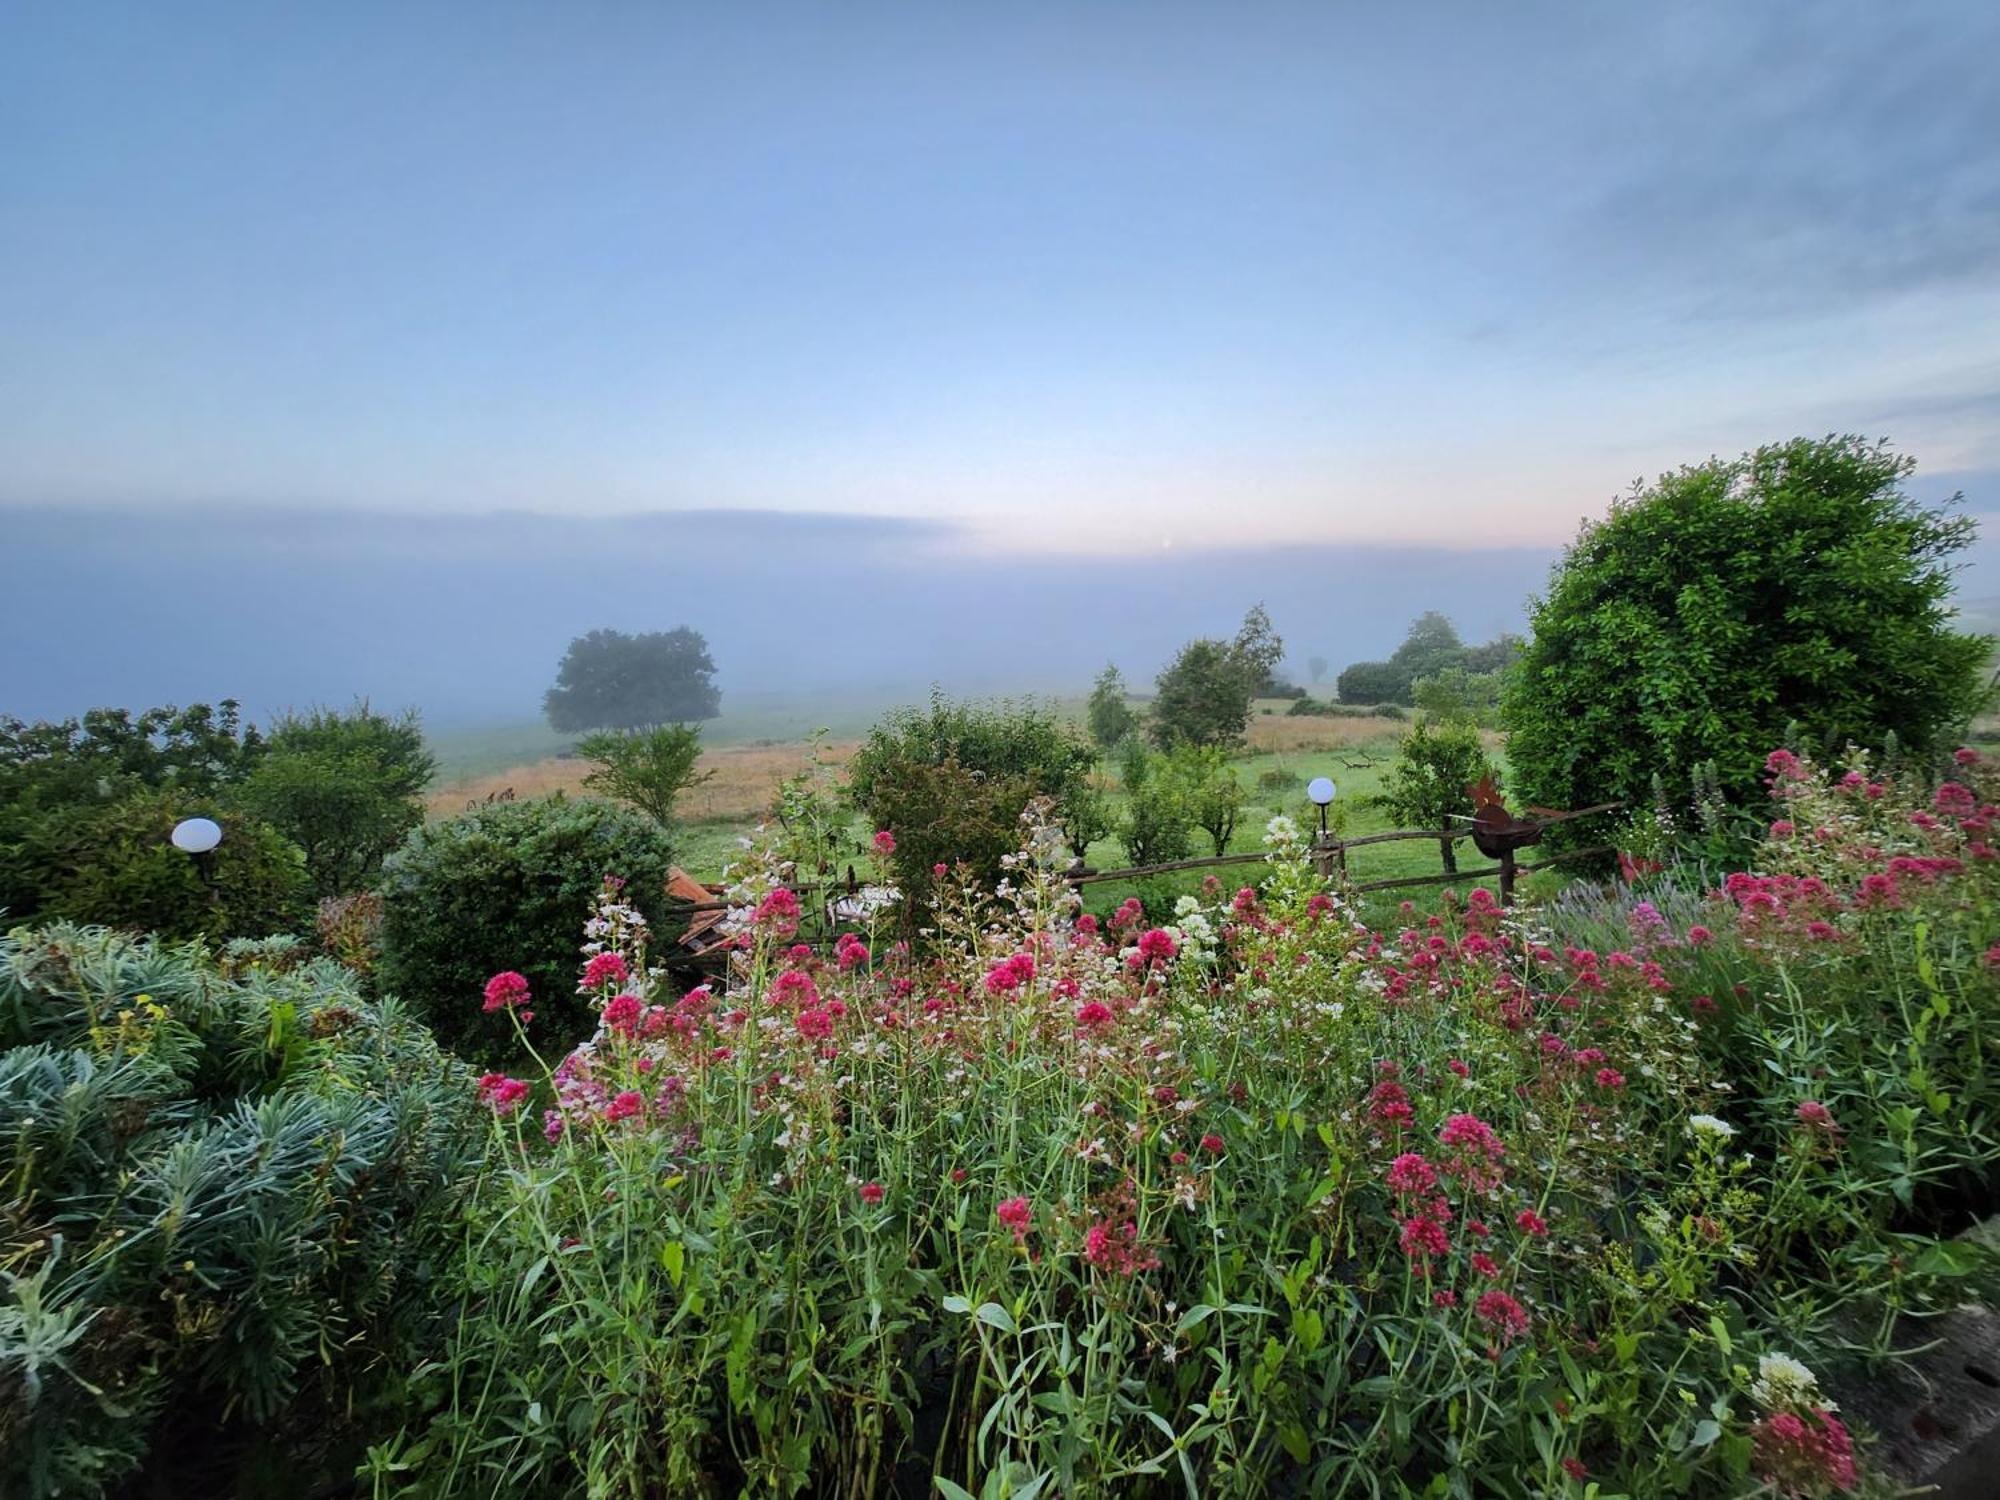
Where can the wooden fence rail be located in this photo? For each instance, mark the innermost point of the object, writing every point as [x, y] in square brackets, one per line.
[1329, 854]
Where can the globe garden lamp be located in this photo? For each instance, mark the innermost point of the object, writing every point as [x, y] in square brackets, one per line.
[197, 837]
[1321, 789]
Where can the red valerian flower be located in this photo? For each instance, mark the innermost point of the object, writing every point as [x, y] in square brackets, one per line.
[885, 842]
[1502, 1314]
[1212, 1144]
[1157, 946]
[1531, 1223]
[624, 1106]
[814, 1023]
[1804, 1455]
[1816, 1116]
[1423, 1238]
[1610, 1078]
[1094, 1015]
[872, 1193]
[622, 1012]
[605, 969]
[1410, 1176]
[501, 1092]
[779, 912]
[505, 989]
[1018, 1214]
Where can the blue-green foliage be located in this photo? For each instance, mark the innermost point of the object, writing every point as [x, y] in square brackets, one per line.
[215, 1197]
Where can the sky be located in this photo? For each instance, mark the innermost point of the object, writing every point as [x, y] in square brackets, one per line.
[1023, 292]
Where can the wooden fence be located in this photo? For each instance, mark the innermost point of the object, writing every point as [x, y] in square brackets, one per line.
[1330, 857]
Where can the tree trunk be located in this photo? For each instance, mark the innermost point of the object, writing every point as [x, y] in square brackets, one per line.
[1450, 853]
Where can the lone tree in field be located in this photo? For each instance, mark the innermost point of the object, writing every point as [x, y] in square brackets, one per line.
[1110, 717]
[1205, 692]
[1795, 586]
[610, 680]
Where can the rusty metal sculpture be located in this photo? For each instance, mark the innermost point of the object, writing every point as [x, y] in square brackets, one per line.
[1497, 833]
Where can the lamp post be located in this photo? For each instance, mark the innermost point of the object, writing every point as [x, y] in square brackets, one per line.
[198, 837]
[1321, 792]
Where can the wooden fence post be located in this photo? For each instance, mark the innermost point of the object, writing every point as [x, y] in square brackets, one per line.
[1506, 877]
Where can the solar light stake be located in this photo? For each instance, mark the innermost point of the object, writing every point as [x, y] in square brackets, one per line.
[1321, 789]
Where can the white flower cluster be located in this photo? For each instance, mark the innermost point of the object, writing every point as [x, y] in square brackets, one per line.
[1784, 1384]
[1710, 1128]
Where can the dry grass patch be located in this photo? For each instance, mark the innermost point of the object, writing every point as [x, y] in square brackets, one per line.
[745, 778]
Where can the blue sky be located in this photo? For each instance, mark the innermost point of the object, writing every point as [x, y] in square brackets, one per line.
[1073, 278]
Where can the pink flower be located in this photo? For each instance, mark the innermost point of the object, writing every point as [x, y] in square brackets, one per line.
[1784, 828]
[625, 1106]
[1804, 1455]
[1531, 1223]
[1610, 1078]
[622, 1012]
[1115, 1247]
[1410, 1176]
[605, 969]
[1485, 1264]
[885, 842]
[1502, 1314]
[794, 987]
[1213, 1144]
[1094, 1015]
[872, 1193]
[814, 1023]
[1699, 935]
[1445, 1298]
[1423, 1238]
[1156, 946]
[779, 912]
[937, 871]
[1816, 1116]
[505, 989]
[502, 1093]
[1965, 755]
[1018, 1214]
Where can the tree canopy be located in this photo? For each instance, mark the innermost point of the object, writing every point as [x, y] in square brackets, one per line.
[1797, 589]
[611, 680]
[1432, 647]
[1204, 694]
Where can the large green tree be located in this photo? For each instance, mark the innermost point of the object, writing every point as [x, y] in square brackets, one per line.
[1797, 586]
[611, 680]
[1204, 695]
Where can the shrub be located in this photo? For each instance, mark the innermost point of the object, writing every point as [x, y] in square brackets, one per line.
[1211, 791]
[1110, 715]
[1204, 695]
[466, 898]
[221, 1202]
[114, 864]
[345, 787]
[1798, 585]
[53, 775]
[1431, 648]
[1159, 822]
[649, 768]
[1426, 787]
[1084, 815]
[950, 781]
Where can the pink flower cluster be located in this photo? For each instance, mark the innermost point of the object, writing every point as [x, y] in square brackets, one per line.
[505, 990]
[1804, 1454]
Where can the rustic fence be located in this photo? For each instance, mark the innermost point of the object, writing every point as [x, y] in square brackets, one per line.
[1330, 857]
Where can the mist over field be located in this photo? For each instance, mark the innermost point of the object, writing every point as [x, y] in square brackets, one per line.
[466, 617]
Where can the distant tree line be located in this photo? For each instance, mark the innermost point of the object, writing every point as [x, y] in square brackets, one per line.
[1431, 649]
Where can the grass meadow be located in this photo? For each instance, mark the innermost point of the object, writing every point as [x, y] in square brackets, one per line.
[754, 748]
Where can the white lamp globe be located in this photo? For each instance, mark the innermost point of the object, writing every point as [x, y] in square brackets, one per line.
[197, 835]
[1320, 789]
